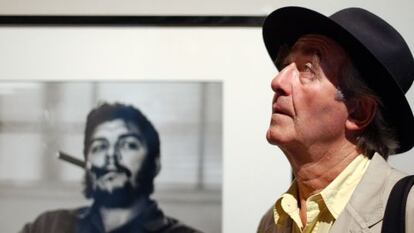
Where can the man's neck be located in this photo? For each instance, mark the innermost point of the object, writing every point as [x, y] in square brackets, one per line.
[316, 169]
[113, 218]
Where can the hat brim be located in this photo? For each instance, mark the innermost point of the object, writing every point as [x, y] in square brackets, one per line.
[285, 26]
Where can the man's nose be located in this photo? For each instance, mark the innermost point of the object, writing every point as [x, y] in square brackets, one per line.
[111, 158]
[282, 82]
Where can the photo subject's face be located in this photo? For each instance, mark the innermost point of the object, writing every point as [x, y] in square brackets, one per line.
[305, 110]
[115, 155]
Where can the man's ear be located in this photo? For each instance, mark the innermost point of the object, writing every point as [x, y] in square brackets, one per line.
[361, 112]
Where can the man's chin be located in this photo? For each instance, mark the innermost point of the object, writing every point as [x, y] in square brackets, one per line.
[278, 138]
[116, 198]
[272, 137]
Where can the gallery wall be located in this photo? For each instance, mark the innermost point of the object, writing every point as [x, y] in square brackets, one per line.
[255, 173]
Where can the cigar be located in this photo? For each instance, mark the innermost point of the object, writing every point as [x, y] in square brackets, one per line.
[68, 158]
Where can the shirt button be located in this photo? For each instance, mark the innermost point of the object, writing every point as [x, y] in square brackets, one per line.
[289, 203]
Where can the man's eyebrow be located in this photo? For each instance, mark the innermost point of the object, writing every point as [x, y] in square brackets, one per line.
[308, 56]
[135, 135]
[312, 51]
[98, 139]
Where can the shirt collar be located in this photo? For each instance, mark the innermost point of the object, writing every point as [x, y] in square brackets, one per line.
[335, 196]
[287, 206]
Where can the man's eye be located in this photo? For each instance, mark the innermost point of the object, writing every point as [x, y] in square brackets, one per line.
[129, 145]
[98, 148]
[132, 145]
[307, 71]
[308, 67]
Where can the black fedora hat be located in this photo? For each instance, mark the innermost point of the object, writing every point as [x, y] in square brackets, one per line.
[376, 49]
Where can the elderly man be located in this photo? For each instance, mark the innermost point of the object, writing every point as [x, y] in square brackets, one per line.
[338, 112]
[122, 150]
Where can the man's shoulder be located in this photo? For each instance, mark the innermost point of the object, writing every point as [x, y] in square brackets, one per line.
[375, 186]
[176, 226]
[380, 168]
[59, 220]
[370, 197]
[57, 213]
[410, 211]
[267, 223]
[380, 172]
[61, 214]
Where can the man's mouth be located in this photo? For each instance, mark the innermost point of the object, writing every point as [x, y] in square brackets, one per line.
[110, 176]
[276, 109]
[103, 171]
[112, 180]
[279, 106]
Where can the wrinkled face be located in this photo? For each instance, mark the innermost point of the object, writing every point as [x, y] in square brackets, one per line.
[305, 108]
[115, 156]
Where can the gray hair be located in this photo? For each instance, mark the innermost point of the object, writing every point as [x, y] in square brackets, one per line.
[378, 136]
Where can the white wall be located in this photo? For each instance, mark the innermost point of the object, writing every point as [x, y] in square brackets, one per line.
[254, 172]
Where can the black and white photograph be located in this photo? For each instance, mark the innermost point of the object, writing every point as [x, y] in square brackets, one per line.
[197, 116]
[70, 149]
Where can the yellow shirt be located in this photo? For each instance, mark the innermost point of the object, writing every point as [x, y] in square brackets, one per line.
[322, 209]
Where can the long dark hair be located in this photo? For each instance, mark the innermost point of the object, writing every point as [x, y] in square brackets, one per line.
[107, 112]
